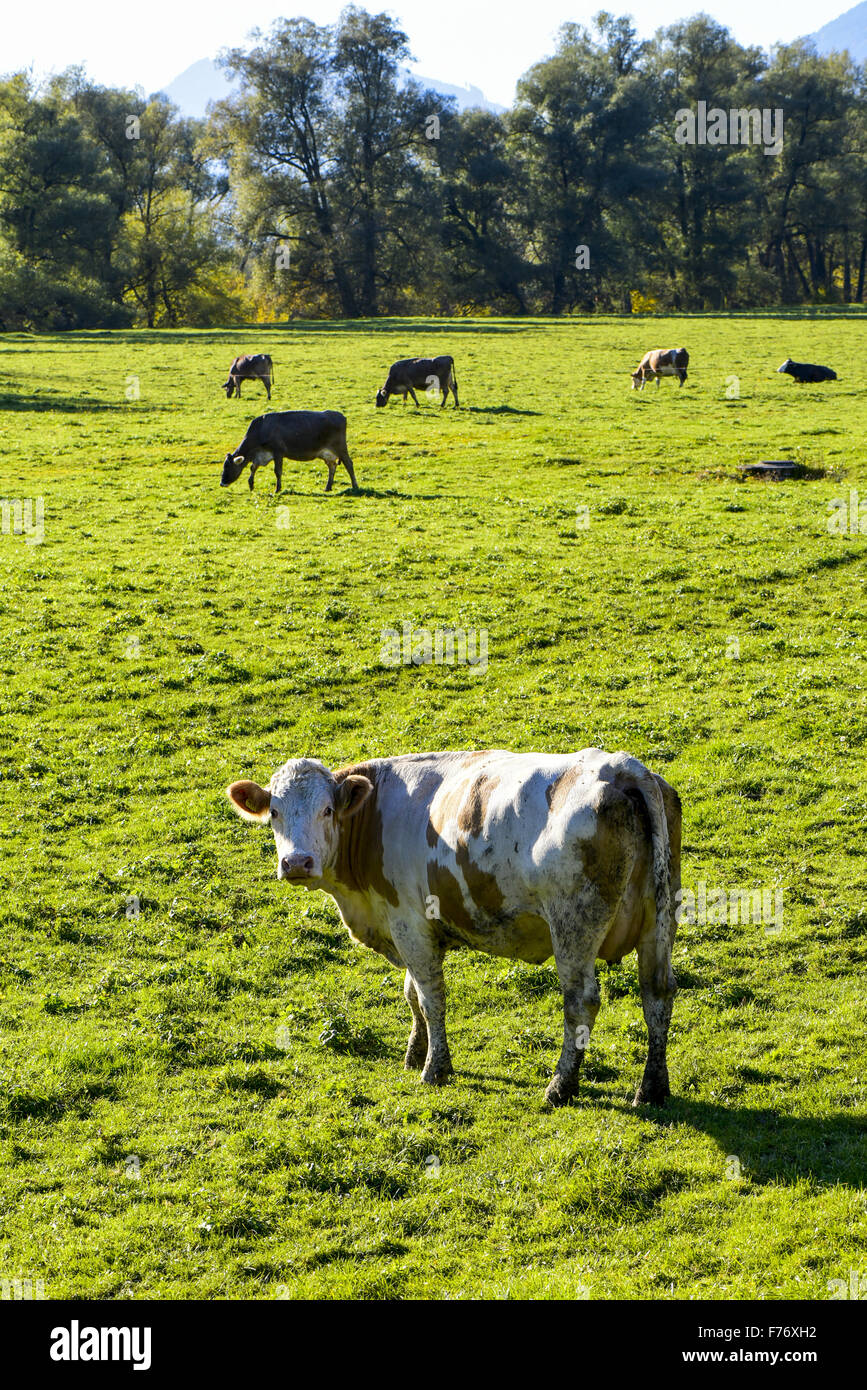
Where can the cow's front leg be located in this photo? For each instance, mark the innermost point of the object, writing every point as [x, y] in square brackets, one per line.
[414, 396]
[423, 958]
[417, 1047]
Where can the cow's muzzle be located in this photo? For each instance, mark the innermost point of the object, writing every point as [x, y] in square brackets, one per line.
[297, 867]
[233, 467]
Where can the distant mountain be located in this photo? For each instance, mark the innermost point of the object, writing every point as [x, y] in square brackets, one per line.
[204, 82]
[848, 30]
[467, 98]
[197, 85]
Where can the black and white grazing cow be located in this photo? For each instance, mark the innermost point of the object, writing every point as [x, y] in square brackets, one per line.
[425, 373]
[246, 368]
[522, 855]
[291, 434]
[806, 372]
[661, 362]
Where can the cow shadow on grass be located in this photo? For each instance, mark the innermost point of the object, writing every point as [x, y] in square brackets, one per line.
[769, 1146]
[497, 410]
[378, 494]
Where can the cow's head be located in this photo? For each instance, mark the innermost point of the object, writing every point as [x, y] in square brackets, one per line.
[382, 396]
[636, 378]
[306, 806]
[229, 387]
[786, 365]
[233, 467]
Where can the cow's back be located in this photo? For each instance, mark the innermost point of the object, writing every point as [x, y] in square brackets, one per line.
[295, 432]
[487, 839]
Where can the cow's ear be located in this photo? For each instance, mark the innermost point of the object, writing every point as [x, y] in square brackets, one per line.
[251, 801]
[352, 792]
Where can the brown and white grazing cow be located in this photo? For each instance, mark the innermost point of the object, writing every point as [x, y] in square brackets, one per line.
[247, 368]
[521, 855]
[426, 373]
[661, 362]
[291, 434]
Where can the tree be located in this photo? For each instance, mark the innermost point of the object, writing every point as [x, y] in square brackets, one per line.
[56, 215]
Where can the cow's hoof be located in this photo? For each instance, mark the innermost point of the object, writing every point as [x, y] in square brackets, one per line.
[560, 1092]
[437, 1076]
[415, 1059]
[651, 1095]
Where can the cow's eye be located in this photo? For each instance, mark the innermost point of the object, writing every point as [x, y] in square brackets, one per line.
[328, 811]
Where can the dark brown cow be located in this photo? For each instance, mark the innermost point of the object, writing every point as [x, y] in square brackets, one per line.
[661, 362]
[247, 368]
[291, 434]
[426, 373]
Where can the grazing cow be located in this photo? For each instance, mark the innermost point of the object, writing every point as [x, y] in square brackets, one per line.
[515, 854]
[291, 434]
[246, 368]
[805, 371]
[426, 373]
[661, 362]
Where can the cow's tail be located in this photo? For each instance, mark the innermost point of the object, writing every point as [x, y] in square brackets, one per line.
[453, 381]
[271, 369]
[646, 784]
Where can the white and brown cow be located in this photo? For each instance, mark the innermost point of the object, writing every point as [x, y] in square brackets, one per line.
[661, 362]
[520, 855]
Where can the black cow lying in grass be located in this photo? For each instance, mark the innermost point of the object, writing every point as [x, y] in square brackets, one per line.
[291, 434]
[805, 371]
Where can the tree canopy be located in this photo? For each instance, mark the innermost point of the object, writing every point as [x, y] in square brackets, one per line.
[334, 185]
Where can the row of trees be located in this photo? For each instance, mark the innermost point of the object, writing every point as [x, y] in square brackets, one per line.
[332, 185]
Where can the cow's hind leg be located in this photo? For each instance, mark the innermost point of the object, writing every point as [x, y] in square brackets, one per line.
[575, 937]
[417, 1047]
[656, 1003]
[347, 464]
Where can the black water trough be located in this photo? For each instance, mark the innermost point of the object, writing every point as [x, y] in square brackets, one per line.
[774, 470]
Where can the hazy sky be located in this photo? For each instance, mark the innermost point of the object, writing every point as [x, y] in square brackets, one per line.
[485, 42]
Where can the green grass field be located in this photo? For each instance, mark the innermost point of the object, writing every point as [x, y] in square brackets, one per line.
[201, 1083]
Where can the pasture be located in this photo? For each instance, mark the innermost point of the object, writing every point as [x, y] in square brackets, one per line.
[201, 1089]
